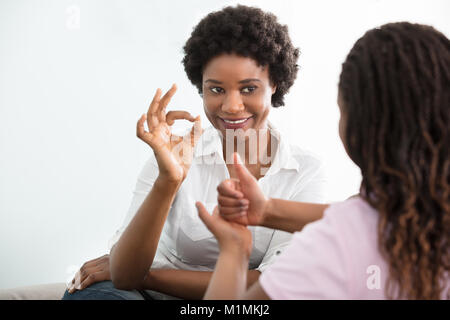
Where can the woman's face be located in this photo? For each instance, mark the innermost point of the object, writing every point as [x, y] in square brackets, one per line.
[236, 93]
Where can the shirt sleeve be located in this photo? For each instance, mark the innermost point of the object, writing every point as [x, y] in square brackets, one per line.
[144, 184]
[315, 265]
[311, 188]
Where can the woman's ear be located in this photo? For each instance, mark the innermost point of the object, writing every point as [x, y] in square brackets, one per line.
[274, 89]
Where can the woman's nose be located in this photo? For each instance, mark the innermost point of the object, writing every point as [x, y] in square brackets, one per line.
[233, 103]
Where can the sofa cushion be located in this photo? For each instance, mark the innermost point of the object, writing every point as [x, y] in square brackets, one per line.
[49, 291]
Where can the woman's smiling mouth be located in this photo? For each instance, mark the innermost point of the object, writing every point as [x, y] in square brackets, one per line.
[234, 123]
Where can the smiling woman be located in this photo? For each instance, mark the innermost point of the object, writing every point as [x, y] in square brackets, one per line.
[236, 93]
[242, 62]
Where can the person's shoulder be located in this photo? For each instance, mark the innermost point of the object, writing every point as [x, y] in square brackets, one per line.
[350, 219]
[354, 204]
[354, 215]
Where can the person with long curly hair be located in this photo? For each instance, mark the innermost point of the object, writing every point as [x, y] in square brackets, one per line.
[242, 62]
[392, 240]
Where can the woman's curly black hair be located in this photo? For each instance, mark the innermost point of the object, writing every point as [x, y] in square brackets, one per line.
[248, 32]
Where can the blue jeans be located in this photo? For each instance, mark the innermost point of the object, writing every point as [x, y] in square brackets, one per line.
[103, 290]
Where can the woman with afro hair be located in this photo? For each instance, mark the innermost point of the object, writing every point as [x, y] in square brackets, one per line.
[242, 62]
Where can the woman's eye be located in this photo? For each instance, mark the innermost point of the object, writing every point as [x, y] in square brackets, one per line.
[216, 90]
[248, 89]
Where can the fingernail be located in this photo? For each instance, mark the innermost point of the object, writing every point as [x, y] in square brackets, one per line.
[238, 158]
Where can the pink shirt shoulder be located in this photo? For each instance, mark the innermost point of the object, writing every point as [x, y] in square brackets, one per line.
[336, 257]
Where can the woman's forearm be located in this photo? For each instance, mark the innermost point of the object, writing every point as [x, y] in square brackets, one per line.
[185, 284]
[291, 216]
[229, 278]
[132, 256]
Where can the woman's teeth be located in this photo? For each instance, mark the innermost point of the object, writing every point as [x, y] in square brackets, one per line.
[236, 121]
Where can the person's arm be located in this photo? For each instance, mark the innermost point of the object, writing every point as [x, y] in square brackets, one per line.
[291, 216]
[228, 279]
[230, 275]
[186, 284]
[133, 254]
[285, 215]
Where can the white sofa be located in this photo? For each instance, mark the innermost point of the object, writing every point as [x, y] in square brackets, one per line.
[50, 291]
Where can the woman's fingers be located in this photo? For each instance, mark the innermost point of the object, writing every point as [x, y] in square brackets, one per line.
[232, 210]
[89, 267]
[196, 131]
[205, 216]
[152, 117]
[230, 188]
[141, 133]
[240, 217]
[232, 201]
[83, 274]
[161, 110]
[171, 116]
[93, 278]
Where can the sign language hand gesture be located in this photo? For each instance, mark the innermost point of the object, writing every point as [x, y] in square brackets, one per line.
[230, 235]
[173, 153]
[242, 200]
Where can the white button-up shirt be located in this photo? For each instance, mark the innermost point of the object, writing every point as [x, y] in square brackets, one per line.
[185, 241]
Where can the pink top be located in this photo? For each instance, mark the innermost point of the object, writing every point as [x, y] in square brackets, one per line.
[336, 257]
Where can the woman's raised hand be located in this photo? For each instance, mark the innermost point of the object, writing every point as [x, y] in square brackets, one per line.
[173, 153]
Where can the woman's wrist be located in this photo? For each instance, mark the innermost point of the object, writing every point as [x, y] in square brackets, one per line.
[235, 251]
[267, 212]
[168, 183]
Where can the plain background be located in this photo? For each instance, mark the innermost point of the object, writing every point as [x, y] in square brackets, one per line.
[75, 76]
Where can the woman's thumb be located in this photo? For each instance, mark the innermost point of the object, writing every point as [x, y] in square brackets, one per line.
[205, 216]
[243, 174]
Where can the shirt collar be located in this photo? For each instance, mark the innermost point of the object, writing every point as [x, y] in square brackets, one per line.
[210, 143]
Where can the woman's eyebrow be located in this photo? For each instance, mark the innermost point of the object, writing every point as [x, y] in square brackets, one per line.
[242, 81]
[213, 81]
[249, 80]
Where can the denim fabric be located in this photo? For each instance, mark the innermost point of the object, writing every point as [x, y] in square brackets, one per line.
[103, 291]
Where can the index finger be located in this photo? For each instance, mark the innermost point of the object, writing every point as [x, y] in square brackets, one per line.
[171, 116]
[166, 99]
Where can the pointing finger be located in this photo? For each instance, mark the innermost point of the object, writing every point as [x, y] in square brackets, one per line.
[205, 216]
